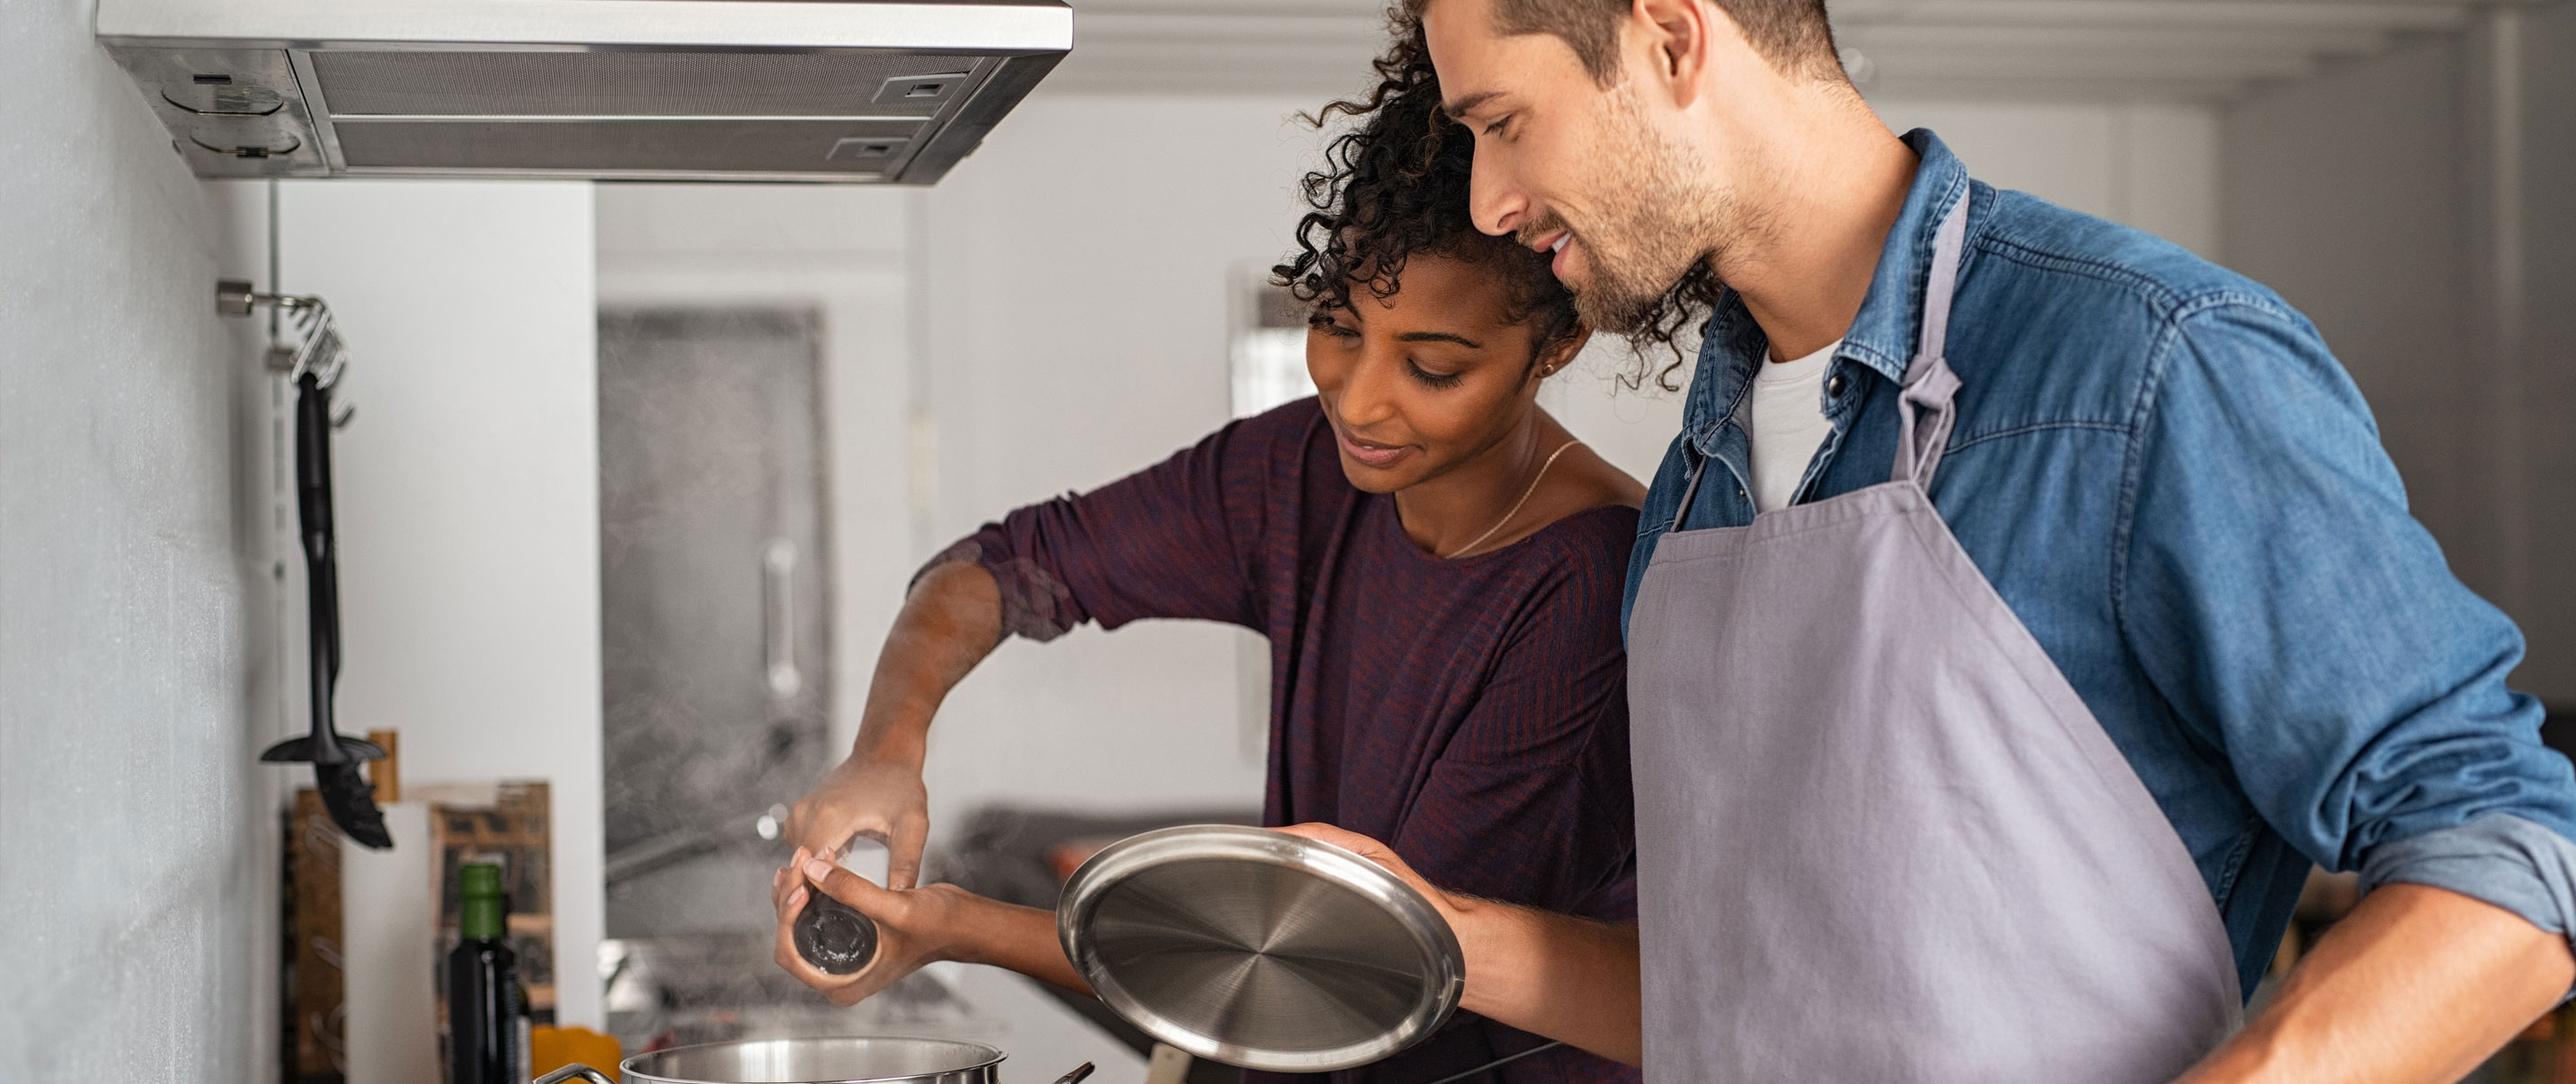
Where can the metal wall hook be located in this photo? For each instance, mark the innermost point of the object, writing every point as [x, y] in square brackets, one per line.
[322, 351]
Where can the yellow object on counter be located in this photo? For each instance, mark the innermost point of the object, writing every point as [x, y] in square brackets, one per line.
[552, 1048]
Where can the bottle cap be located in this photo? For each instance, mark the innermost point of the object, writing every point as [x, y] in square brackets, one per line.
[481, 904]
[478, 879]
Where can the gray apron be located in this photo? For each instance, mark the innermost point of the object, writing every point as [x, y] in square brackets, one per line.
[1879, 837]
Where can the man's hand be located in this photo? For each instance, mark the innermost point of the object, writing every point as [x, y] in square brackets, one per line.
[1555, 975]
[2416, 984]
[914, 927]
[882, 800]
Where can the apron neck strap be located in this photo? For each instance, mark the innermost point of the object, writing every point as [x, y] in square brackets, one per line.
[1924, 412]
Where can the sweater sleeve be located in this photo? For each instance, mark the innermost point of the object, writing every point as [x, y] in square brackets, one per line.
[1179, 539]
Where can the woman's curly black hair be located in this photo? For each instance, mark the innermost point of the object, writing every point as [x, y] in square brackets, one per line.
[1396, 186]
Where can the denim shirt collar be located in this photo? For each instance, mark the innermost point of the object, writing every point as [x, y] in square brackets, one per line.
[1881, 338]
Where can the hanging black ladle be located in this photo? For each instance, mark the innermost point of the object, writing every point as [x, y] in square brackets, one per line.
[335, 757]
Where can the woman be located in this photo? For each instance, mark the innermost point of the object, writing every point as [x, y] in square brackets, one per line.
[1436, 562]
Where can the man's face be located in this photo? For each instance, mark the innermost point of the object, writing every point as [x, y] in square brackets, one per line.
[1565, 163]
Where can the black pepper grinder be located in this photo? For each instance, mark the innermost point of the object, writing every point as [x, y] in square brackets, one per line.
[833, 936]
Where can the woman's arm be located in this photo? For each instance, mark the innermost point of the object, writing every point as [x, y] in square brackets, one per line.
[1162, 542]
[1554, 975]
[1165, 541]
[916, 927]
[950, 621]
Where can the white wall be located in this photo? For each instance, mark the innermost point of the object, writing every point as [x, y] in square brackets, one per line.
[467, 496]
[137, 837]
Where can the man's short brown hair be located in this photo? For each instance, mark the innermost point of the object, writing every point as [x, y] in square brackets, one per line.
[1792, 34]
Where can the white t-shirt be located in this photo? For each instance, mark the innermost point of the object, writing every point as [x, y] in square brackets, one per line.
[1788, 424]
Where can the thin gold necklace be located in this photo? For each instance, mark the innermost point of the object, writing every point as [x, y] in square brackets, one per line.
[1516, 505]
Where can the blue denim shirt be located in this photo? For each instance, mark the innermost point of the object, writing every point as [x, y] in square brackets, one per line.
[2180, 492]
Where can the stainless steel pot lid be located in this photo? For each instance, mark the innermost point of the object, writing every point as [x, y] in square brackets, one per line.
[1260, 949]
[816, 1061]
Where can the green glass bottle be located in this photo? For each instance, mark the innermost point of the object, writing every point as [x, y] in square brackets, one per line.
[485, 1018]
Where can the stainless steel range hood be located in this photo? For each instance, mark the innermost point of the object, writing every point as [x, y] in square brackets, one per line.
[742, 90]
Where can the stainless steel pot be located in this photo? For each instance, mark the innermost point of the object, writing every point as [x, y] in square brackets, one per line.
[870, 1060]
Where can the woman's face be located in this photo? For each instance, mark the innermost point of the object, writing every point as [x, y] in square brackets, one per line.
[1418, 383]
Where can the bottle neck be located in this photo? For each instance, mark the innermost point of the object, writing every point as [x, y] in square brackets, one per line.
[479, 918]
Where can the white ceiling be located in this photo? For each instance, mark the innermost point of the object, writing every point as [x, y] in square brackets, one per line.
[2013, 49]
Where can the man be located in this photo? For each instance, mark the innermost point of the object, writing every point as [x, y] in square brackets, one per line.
[2025, 604]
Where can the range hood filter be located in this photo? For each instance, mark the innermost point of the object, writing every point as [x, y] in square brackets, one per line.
[758, 90]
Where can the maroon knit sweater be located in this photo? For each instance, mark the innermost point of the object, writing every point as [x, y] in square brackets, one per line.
[1471, 713]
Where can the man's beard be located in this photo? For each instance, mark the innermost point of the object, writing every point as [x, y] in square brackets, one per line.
[1653, 228]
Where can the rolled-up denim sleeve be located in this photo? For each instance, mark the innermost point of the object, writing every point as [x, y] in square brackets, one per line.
[2306, 627]
[2501, 858]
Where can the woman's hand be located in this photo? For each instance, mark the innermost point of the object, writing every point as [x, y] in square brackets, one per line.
[950, 620]
[883, 800]
[1555, 975]
[914, 927]
[1451, 908]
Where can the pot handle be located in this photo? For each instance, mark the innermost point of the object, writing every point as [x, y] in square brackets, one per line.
[575, 1069]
